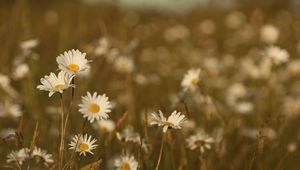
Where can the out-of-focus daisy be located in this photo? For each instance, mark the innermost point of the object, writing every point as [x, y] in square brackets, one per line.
[199, 140]
[28, 45]
[104, 125]
[174, 121]
[72, 61]
[235, 20]
[95, 107]
[53, 83]
[42, 156]
[128, 135]
[5, 85]
[21, 71]
[191, 79]
[83, 144]
[276, 55]
[126, 162]
[10, 110]
[18, 155]
[103, 46]
[269, 34]
[124, 65]
[4, 133]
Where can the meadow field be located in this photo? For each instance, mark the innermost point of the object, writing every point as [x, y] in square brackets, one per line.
[96, 86]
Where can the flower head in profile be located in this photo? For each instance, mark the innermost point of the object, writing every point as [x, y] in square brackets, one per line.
[95, 107]
[174, 121]
[42, 156]
[83, 144]
[126, 162]
[53, 83]
[10, 110]
[191, 79]
[276, 55]
[72, 61]
[18, 156]
[104, 125]
[200, 140]
[128, 135]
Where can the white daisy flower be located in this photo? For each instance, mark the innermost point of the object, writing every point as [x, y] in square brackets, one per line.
[105, 125]
[72, 61]
[269, 34]
[124, 65]
[21, 71]
[276, 55]
[126, 162]
[83, 144]
[95, 107]
[53, 83]
[18, 155]
[128, 135]
[42, 156]
[175, 120]
[29, 44]
[191, 79]
[200, 140]
[10, 110]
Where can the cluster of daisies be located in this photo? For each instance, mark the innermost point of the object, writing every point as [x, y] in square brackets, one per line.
[95, 109]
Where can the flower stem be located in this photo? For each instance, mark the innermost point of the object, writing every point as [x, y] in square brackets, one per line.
[160, 152]
[61, 147]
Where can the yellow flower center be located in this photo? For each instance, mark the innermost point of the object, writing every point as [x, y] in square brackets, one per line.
[59, 86]
[200, 142]
[83, 147]
[168, 123]
[94, 108]
[73, 67]
[195, 81]
[125, 166]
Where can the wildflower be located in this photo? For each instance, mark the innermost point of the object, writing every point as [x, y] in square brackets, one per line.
[276, 55]
[95, 107]
[191, 79]
[126, 162]
[21, 71]
[53, 83]
[103, 46]
[105, 125]
[10, 110]
[174, 121]
[18, 155]
[42, 155]
[124, 65]
[28, 45]
[199, 140]
[72, 61]
[269, 34]
[128, 135]
[83, 144]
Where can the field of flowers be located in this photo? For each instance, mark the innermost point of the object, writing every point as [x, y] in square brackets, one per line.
[101, 87]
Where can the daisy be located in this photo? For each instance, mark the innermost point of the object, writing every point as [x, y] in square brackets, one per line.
[200, 140]
[269, 34]
[105, 125]
[191, 79]
[42, 155]
[126, 162]
[124, 65]
[175, 120]
[72, 61]
[83, 144]
[10, 110]
[128, 135]
[21, 71]
[276, 55]
[18, 155]
[95, 107]
[53, 83]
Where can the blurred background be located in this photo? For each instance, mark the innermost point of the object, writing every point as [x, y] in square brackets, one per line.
[251, 110]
